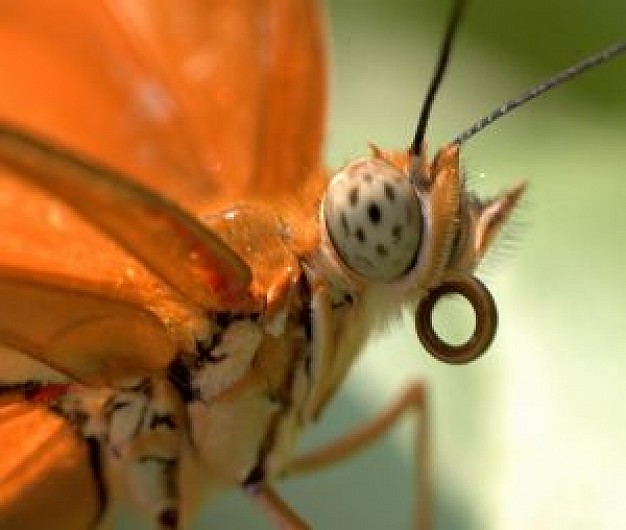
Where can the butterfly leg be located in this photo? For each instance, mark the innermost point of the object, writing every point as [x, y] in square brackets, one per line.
[413, 401]
[275, 508]
[146, 438]
[153, 480]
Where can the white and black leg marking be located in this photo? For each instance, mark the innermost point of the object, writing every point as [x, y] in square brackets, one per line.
[136, 429]
[94, 448]
[153, 479]
[145, 435]
[226, 357]
[125, 412]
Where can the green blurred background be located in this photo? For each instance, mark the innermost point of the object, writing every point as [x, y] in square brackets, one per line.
[534, 434]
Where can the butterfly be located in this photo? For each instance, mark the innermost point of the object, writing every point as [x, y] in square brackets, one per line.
[182, 290]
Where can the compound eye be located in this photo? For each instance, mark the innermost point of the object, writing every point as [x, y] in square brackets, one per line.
[486, 318]
[374, 220]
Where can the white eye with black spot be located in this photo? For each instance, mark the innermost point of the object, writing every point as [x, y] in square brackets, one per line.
[373, 218]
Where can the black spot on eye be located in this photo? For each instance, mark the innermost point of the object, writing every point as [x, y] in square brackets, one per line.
[360, 235]
[396, 233]
[390, 192]
[344, 224]
[374, 213]
[381, 250]
[354, 196]
[367, 177]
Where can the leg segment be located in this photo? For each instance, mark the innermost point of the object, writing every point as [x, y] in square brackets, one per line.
[154, 483]
[275, 508]
[149, 451]
[412, 400]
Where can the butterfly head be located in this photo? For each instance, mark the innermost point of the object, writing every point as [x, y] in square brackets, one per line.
[407, 228]
[407, 224]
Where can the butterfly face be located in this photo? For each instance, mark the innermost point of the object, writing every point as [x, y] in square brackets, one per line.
[408, 228]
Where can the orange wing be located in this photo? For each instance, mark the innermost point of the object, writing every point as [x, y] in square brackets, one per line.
[43, 466]
[196, 99]
[248, 78]
[168, 241]
[204, 102]
[81, 333]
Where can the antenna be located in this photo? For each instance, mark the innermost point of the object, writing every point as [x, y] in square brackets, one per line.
[442, 63]
[565, 75]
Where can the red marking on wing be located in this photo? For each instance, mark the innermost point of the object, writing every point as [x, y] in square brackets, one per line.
[50, 393]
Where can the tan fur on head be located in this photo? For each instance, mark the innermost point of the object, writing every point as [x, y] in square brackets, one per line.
[456, 231]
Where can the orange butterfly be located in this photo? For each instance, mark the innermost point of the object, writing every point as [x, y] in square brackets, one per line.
[172, 305]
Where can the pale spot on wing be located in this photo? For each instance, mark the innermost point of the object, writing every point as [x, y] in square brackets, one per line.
[199, 66]
[55, 218]
[154, 100]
